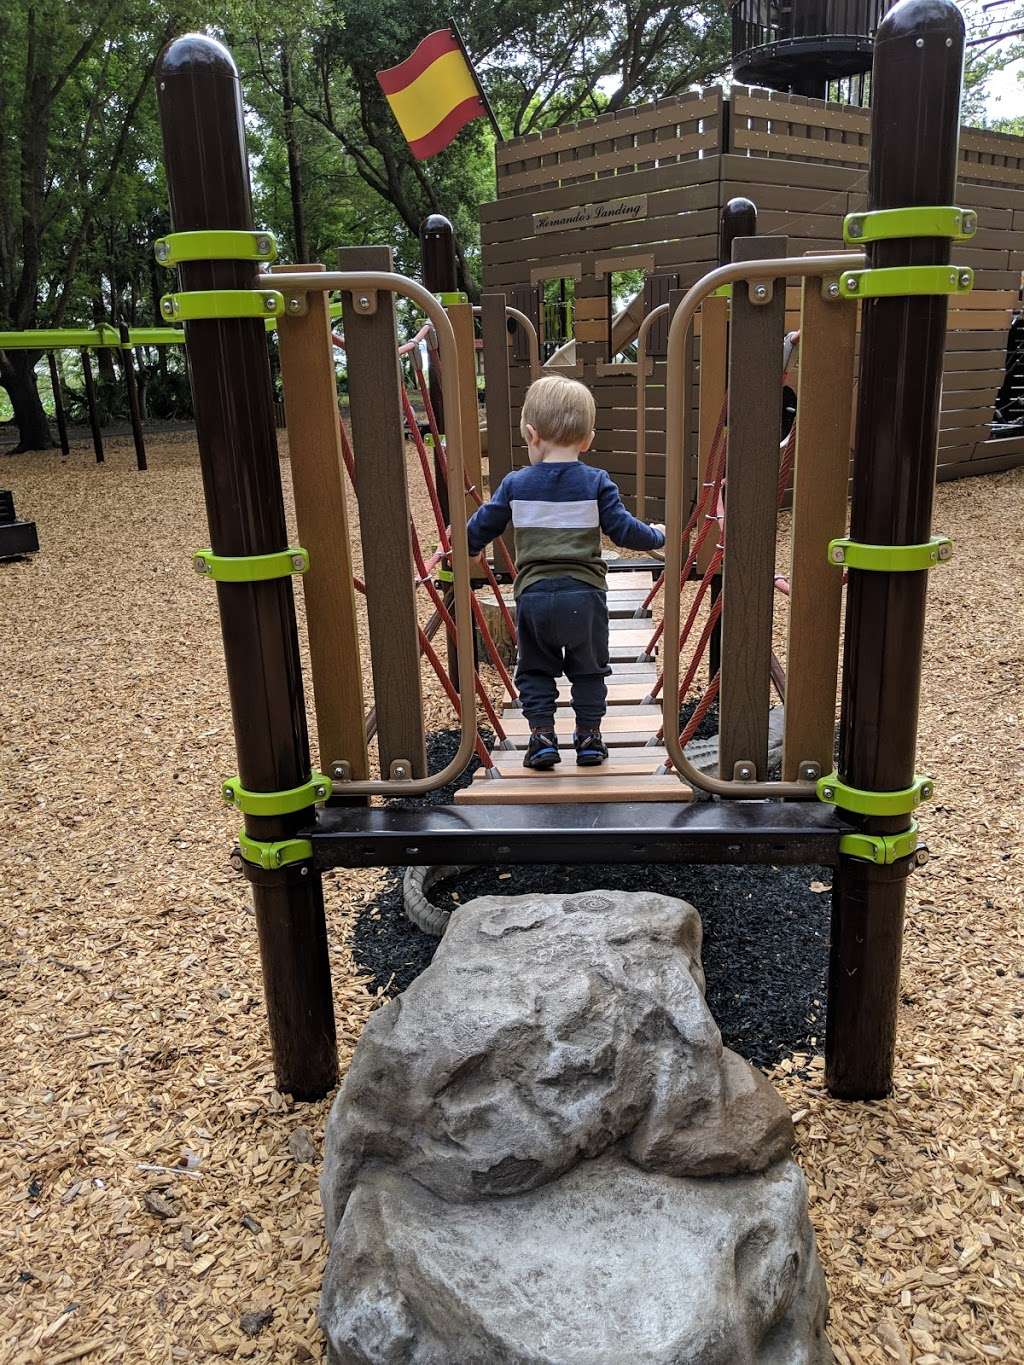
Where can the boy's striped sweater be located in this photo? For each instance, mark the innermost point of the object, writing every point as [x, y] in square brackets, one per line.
[558, 511]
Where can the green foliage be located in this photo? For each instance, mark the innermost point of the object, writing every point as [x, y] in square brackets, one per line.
[82, 193]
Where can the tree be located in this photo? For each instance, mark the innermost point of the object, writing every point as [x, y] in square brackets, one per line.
[544, 64]
[72, 88]
[988, 53]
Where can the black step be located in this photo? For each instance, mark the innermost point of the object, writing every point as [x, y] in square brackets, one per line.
[772, 832]
[17, 538]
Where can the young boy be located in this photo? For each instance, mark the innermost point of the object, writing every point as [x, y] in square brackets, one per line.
[558, 508]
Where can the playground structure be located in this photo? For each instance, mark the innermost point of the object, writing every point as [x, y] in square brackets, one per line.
[857, 820]
[83, 340]
[582, 208]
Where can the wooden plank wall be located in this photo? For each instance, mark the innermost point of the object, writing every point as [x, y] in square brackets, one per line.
[804, 164]
[666, 152]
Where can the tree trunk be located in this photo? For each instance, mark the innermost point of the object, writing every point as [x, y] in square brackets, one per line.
[294, 159]
[104, 355]
[18, 377]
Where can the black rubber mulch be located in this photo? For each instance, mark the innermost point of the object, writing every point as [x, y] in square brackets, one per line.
[765, 932]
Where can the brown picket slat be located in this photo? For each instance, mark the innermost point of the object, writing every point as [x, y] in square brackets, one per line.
[755, 419]
[828, 331]
[377, 438]
[321, 515]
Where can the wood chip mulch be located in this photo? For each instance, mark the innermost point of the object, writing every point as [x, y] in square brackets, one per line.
[160, 1196]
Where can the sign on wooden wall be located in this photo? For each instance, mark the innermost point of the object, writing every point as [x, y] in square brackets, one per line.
[590, 215]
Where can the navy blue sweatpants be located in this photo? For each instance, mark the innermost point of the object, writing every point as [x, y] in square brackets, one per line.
[562, 626]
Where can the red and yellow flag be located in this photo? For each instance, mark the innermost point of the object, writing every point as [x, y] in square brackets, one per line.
[433, 93]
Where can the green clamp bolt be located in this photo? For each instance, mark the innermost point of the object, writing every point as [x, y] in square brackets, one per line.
[854, 554]
[271, 856]
[883, 849]
[931, 220]
[836, 793]
[318, 788]
[215, 245]
[250, 568]
[203, 305]
[905, 281]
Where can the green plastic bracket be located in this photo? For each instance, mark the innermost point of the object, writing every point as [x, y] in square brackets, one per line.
[250, 568]
[318, 788]
[214, 245]
[902, 281]
[724, 291]
[274, 855]
[200, 305]
[852, 554]
[932, 220]
[883, 849]
[449, 296]
[836, 793]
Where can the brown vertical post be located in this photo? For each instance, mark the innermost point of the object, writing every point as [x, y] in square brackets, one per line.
[371, 350]
[914, 128]
[440, 276]
[461, 318]
[58, 404]
[738, 219]
[200, 104]
[90, 403]
[321, 516]
[494, 326]
[755, 421]
[132, 388]
[828, 333]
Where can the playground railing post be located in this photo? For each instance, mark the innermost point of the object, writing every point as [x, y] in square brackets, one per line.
[914, 131]
[131, 384]
[58, 403]
[737, 219]
[439, 273]
[90, 403]
[200, 105]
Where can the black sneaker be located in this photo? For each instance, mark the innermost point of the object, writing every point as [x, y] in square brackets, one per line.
[591, 750]
[542, 751]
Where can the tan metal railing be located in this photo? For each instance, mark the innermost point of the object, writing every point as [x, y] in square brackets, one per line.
[677, 418]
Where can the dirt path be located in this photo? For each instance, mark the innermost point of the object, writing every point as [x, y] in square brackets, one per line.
[131, 1016]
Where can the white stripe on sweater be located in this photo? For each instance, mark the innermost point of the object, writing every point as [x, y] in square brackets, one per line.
[562, 516]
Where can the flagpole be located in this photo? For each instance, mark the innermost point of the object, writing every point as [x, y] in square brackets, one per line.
[476, 81]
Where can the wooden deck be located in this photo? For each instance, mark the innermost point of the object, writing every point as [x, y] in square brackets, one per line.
[635, 768]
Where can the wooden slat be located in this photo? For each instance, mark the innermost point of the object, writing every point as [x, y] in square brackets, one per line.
[461, 317]
[713, 359]
[495, 336]
[636, 119]
[377, 438]
[321, 515]
[622, 159]
[755, 420]
[828, 332]
[647, 724]
[510, 764]
[625, 693]
[556, 787]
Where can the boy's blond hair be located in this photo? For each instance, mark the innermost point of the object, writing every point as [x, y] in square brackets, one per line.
[560, 410]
